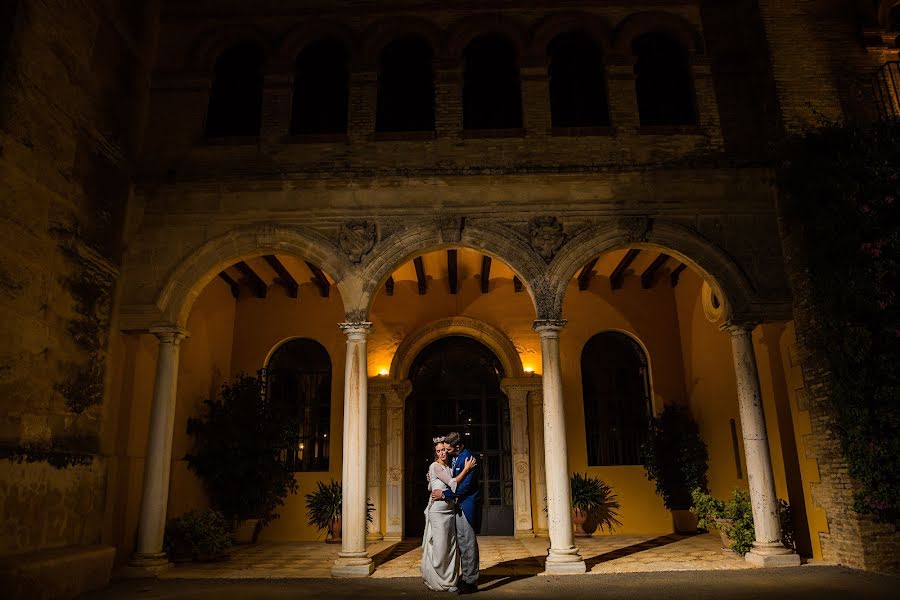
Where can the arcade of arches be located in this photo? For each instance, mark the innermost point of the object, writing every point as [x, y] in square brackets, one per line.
[452, 340]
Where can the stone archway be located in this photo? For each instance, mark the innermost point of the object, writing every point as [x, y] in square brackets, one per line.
[185, 282]
[390, 394]
[716, 266]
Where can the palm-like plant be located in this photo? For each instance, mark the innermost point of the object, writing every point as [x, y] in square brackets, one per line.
[595, 500]
[324, 506]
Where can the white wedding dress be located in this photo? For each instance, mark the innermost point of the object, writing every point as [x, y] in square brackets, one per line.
[440, 553]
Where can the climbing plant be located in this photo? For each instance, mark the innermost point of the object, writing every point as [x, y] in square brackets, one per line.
[840, 187]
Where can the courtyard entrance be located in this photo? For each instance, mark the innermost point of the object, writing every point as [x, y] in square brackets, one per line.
[456, 387]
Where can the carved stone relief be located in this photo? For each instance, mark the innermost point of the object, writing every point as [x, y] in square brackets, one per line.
[636, 228]
[357, 238]
[546, 235]
[451, 228]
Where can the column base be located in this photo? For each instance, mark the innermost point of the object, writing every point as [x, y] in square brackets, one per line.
[524, 534]
[353, 566]
[146, 565]
[374, 536]
[568, 562]
[772, 556]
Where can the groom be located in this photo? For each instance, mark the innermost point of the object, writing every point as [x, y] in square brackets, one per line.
[468, 520]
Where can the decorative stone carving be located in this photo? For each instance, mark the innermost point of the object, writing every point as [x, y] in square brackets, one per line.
[355, 316]
[451, 228]
[357, 238]
[546, 235]
[637, 228]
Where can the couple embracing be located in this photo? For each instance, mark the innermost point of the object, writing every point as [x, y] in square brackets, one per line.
[452, 518]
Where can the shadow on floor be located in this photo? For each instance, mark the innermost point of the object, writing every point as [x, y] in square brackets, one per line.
[396, 551]
[657, 542]
[508, 571]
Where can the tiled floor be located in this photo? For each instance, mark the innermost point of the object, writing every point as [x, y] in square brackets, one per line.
[500, 556]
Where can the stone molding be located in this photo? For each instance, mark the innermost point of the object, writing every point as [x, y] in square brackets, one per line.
[490, 336]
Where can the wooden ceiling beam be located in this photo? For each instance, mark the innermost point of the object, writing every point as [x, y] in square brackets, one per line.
[648, 277]
[618, 274]
[235, 287]
[318, 278]
[285, 279]
[260, 288]
[485, 274]
[517, 284]
[676, 273]
[389, 286]
[584, 278]
[452, 271]
[420, 275]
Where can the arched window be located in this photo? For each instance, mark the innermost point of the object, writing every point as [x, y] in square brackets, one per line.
[616, 386]
[235, 100]
[299, 382]
[663, 82]
[405, 86]
[492, 96]
[321, 89]
[577, 83]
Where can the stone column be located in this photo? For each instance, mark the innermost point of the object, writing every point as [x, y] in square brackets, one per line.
[394, 399]
[152, 520]
[352, 560]
[516, 391]
[373, 462]
[768, 551]
[536, 401]
[563, 556]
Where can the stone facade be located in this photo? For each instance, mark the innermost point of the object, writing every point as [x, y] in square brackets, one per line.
[118, 211]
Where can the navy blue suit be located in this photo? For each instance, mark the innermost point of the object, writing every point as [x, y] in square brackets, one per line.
[468, 491]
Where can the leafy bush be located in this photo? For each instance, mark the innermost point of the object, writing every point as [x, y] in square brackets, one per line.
[707, 509]
[840, 189]
[675, 456]
[595, 499]
[738, 513]
[237, 447]
[197, 535]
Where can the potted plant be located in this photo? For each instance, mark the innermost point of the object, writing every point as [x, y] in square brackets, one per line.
[324, 509]
[197, 535]
[734, 519]
[238, 442]
[710, 513]
[675, 458]
[593, 505]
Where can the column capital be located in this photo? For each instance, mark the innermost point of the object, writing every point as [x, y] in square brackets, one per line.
[549, 327]
[737, 328]
[356, 330]
[169, 334]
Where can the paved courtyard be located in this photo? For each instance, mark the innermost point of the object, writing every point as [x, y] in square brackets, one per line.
[500, 557]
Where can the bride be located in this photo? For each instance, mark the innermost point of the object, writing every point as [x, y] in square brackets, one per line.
[440, 554]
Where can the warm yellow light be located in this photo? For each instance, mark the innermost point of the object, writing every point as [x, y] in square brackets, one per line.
[529, 369]
[383, 372]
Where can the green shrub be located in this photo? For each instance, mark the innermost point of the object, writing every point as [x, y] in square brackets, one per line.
[197, 535]
[675, 457]
[739, 513]
[707, 509]
[324, 506]
[236, 452]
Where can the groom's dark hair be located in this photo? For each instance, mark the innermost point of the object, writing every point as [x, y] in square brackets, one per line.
[454, 439]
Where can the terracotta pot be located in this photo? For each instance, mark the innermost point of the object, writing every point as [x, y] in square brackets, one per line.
[246, 531]
[684, 521]
[585, 525]
[722, 526]
[335, 536]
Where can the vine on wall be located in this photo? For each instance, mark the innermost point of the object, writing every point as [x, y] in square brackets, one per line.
[841, 187]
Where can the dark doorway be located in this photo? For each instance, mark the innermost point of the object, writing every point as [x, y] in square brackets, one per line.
[456, 387]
